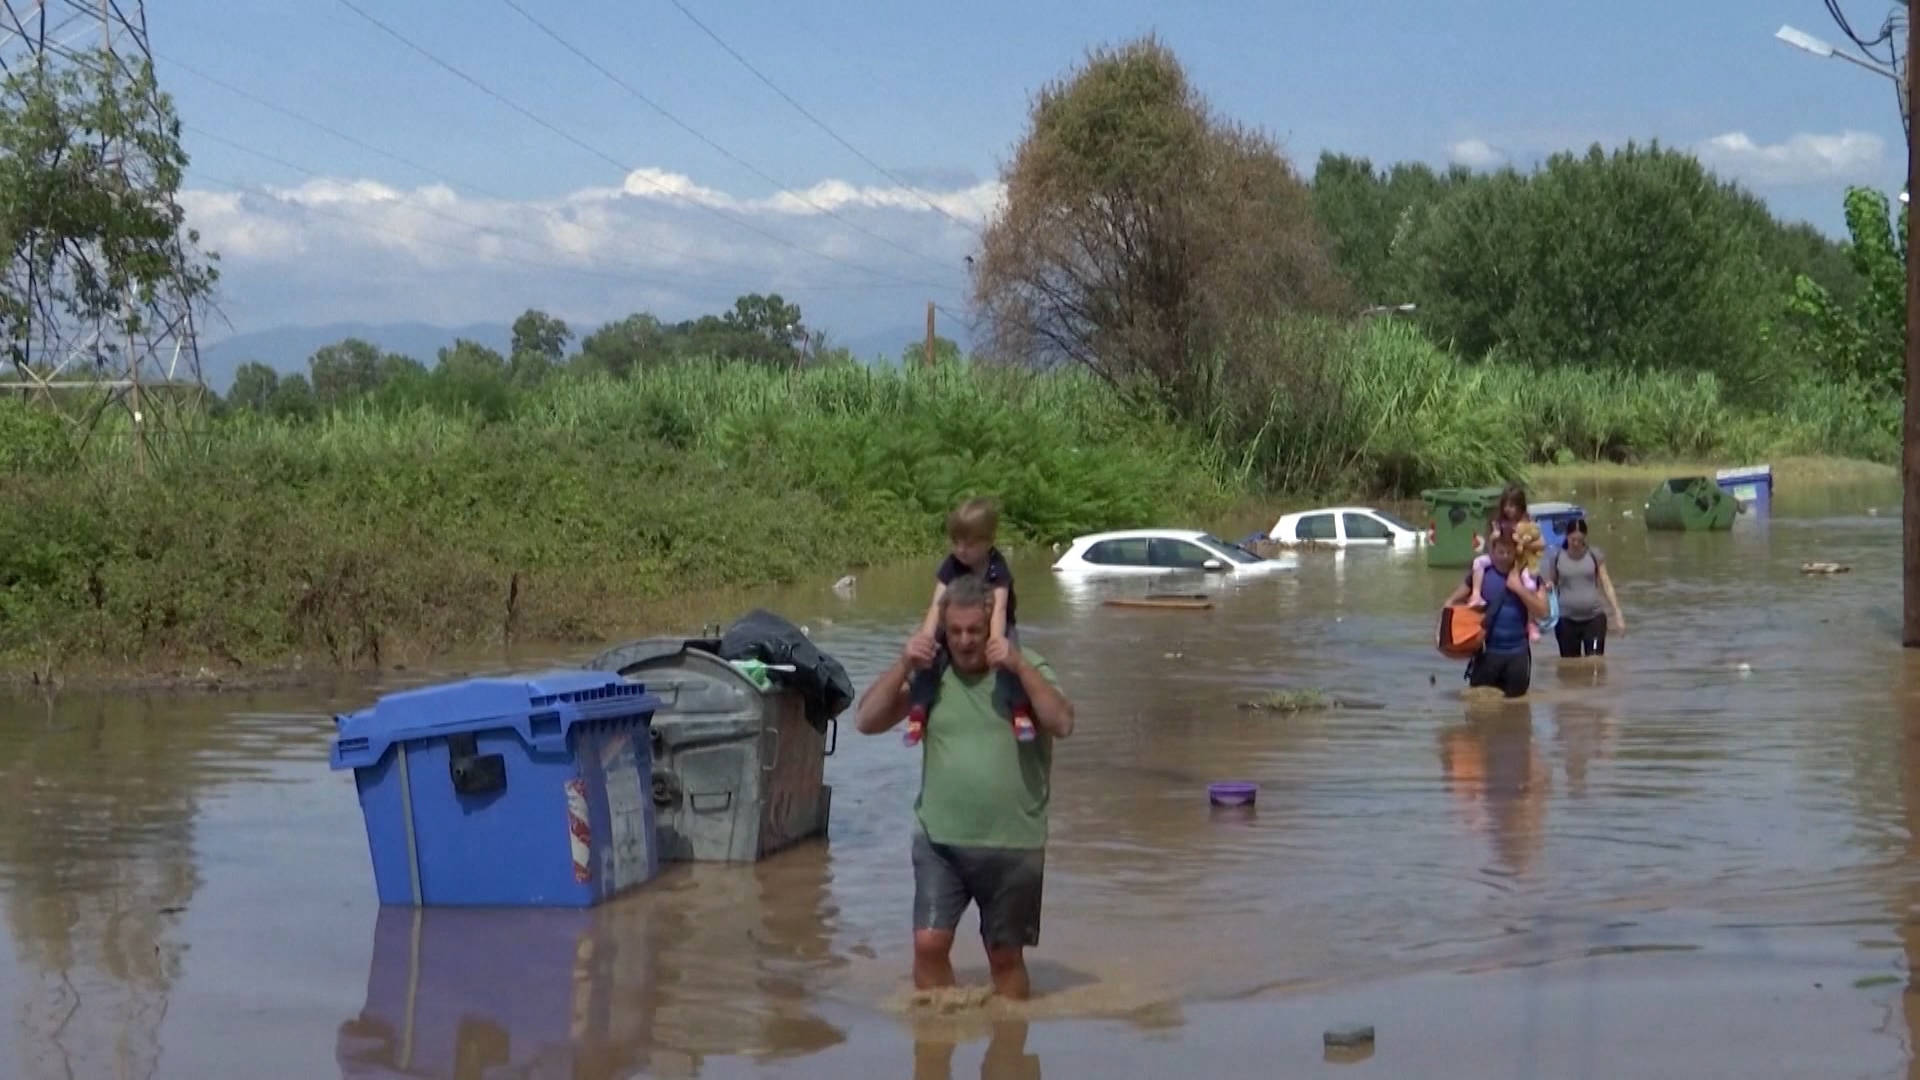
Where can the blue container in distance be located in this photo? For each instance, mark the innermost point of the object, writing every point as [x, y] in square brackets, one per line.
[520, 791]
[1751, 487]
[1553, 517]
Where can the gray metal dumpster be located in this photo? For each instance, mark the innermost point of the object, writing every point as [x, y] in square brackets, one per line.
[738, 772]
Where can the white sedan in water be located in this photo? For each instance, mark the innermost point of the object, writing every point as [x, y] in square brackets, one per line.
[1346, 526]
[1159, 551]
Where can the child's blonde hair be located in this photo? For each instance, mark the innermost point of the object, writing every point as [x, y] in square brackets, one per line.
[975, 519]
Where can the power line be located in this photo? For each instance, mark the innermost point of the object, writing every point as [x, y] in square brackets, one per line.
[85, 61]
[689, 129]
[817, 122]
[626, 169]
[401, 159]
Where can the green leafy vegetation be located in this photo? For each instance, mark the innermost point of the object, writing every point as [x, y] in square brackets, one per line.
[1174, 321]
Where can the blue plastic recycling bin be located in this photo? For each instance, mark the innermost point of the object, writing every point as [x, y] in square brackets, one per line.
[1553, 519]
[521, 791]
[1751, 487]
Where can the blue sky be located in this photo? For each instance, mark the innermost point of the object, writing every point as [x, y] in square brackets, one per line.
[507, 214]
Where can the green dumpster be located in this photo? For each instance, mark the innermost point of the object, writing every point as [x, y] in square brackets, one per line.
[1455, 518]
[1690, 504]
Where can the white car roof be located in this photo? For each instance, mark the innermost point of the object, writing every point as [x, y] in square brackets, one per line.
[1332, 510]
[1141, 534]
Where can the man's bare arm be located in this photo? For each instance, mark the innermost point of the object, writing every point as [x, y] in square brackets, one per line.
[885, 702]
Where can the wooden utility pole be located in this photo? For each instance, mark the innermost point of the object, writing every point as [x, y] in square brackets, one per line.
[929, 333]
[1910, 422]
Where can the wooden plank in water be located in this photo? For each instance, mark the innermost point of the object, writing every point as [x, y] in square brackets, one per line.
[1177, 603]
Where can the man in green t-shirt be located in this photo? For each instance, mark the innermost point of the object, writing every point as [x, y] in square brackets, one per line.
[981, 832]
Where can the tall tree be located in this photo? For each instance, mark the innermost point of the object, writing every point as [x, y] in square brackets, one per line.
[90, 166]
[343, 371]
[1369, 215]
[1635, 260]
[620, 348]
[537, 333]
[254, 386]
[1864, 339]
[470, 360]
[1140, 228]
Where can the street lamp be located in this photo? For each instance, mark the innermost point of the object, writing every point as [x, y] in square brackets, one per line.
[1806, 42]
[1910, 411]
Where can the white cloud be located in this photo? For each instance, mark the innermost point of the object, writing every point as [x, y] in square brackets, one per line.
[1804, 158]
[361, 250]
[1476, 154]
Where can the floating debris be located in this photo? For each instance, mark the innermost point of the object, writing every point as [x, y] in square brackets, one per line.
[1178, 603]
[1232, 793]
[1825, 568]
[844, 585]
[1298, 701]
[1347, 1036]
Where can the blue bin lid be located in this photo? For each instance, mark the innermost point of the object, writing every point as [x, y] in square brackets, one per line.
[1555, 511]
[560, 699]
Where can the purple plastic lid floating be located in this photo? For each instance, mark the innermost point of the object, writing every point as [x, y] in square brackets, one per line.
[1231, 791]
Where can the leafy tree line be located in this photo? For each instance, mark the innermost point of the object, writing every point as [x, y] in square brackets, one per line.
[1636, 260]
[762, 329]
[1177, 255]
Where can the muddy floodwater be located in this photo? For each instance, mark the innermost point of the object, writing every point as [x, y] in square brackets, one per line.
[1697, 859]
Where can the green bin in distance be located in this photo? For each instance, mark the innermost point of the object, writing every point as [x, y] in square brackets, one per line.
[1690, 504]
[1455, 518]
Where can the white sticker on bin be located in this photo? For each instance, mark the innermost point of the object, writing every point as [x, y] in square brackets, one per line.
[579, 832]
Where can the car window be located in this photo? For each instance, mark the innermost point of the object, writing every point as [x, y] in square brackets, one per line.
[1363, 527]
[1314, 527]
[1232, 552]
[1118, 553]
[1180, 554]
[1394, 521]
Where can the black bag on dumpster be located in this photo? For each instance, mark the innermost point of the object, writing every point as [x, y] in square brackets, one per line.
[766, 637]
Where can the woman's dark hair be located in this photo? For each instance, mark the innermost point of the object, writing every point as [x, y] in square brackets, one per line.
[1516, 497]
[1577, 525]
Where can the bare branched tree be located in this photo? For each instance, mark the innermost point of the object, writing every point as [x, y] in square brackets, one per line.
[1140, 230]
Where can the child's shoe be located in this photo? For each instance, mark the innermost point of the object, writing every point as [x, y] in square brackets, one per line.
[916, 726]
[1022, 724]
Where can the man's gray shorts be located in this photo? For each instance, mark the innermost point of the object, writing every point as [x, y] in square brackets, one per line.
[1005, 883]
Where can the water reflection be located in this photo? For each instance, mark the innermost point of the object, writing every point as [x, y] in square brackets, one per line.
[1583, 731]
[466, 994]
[96, 864]
[1499, 779]
[718, 961]
[1006, 1056]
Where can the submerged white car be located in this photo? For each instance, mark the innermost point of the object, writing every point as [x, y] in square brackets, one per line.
[1159, 551]
[1345, 526]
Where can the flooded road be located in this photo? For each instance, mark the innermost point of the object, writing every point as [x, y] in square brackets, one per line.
[1697, 859]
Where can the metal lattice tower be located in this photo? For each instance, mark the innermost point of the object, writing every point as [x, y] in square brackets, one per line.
[97, 368]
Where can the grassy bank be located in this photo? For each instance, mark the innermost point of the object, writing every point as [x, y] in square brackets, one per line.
[1316, 408]
[392, 530]
[374, 537]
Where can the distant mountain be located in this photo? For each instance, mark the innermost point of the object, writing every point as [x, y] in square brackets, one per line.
[286, 348]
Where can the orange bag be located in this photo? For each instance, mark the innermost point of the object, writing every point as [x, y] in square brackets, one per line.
[1462, 631]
